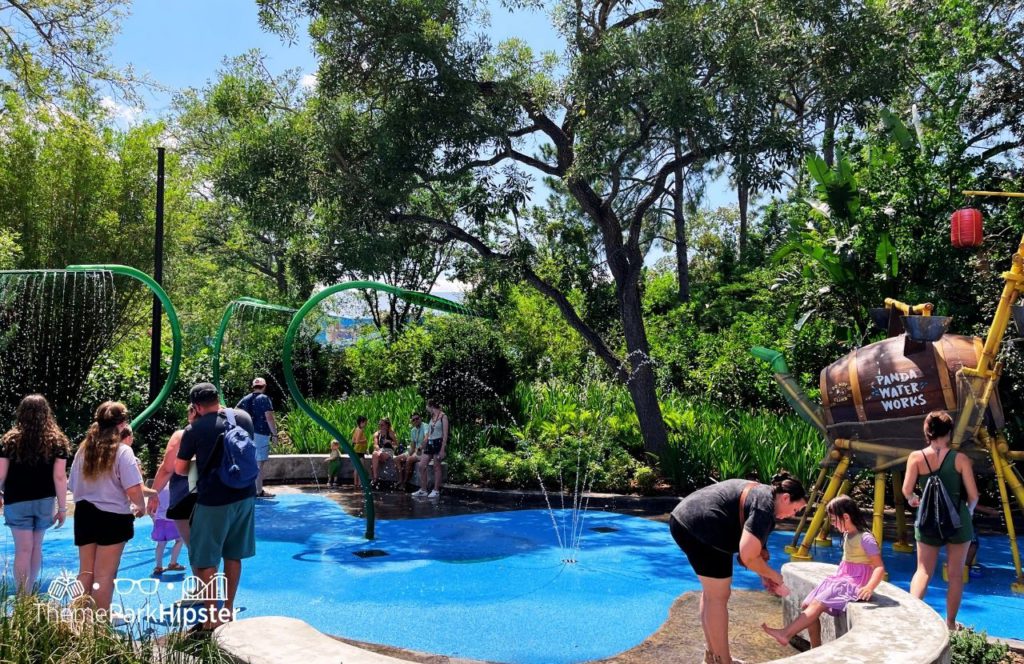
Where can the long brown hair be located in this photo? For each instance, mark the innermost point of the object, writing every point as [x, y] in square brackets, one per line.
[35, 436]
[99, 449]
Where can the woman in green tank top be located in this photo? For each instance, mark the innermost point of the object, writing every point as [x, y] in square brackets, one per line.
[954, 471]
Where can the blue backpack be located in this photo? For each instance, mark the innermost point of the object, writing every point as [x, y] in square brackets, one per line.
[238, 467]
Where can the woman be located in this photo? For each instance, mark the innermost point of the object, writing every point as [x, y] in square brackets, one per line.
[434, 449]
[734, 516]
[952, 469]
[33, 484]
[385, 443]
[107, 485]
[182, 489]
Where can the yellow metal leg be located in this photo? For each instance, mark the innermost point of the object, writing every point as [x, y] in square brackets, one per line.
[878, 509]
[901, 545]
[824, 537]
[803, 553]
[1005, 471]
[792, 547]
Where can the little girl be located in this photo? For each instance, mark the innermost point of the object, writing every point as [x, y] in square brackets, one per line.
[858, 575]
[165, 531]
[334, 465]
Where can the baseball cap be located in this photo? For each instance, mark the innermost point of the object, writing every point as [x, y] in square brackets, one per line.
[203, 393]
[259, 382]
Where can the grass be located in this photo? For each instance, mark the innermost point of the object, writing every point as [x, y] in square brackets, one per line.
[32, 632]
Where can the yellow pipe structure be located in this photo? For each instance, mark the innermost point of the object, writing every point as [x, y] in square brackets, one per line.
[1001, 472]
[792, 547]
[901, 545]
[878, 511]
[804, 552]
[925, 309]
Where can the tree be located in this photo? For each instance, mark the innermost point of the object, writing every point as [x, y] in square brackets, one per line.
[418, 102]
[51, 47]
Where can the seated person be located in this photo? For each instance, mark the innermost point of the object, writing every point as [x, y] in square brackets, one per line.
[417, 435]
[385, 447]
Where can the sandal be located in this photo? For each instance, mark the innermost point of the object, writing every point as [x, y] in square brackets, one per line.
[264, 494]
[157, 571]
[175, 567]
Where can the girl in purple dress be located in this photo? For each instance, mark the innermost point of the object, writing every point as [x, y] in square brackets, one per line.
[858, 575]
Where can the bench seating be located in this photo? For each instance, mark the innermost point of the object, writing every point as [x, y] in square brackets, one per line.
[893, 627]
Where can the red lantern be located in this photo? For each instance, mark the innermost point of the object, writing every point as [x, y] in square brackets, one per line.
[965, 228]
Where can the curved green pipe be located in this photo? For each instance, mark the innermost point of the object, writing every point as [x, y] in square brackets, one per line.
[172, 318]
[223, 328]
[423, 299]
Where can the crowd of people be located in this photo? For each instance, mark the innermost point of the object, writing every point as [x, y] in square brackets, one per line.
[426, 448]
[192, 506]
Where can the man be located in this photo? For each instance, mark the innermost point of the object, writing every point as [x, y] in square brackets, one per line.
[261, 410]
[223, 523]
[417, 436]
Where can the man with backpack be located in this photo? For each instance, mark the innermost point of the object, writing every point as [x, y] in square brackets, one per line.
[223, 523]
[261, 410]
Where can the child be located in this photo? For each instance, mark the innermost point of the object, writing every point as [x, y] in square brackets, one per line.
[359, 444]
[334, 465]
[859, 574]
[165, 531]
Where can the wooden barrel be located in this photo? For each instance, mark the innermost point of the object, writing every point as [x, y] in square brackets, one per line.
[880, 393]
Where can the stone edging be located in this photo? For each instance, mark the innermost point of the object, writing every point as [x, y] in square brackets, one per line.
[893, 627]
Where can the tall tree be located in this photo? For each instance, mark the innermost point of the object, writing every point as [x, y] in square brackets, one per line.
[414, 100]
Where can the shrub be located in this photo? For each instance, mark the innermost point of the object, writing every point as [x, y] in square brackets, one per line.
[970, 647]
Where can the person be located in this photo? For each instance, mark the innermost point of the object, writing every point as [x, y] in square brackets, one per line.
[418, 431]
[165, 531]
[385, 444]
[859, 573]
[434, 449]
[33, 484]
[975, 570]
[952, 469]
[713, 523]
[334, 465]
[181, 496]
[359, 445]
[107, 486]
[223, 521]
[261, 410]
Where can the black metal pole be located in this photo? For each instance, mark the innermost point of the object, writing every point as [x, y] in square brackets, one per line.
[158, 276]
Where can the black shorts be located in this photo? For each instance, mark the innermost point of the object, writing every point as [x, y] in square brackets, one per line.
[705, 560]
[183, 510]
[95, 526]
[432, 447]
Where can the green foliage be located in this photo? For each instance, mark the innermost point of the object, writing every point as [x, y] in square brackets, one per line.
[30, 631]
[379, 365]
[466, 369]
[970, 647]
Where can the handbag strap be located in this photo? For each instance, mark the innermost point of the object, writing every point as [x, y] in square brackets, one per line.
[743, 500]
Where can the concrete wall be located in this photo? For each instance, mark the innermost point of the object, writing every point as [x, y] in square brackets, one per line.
[305, 468]
[893, 627]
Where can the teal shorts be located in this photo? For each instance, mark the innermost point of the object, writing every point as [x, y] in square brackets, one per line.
[222, 532]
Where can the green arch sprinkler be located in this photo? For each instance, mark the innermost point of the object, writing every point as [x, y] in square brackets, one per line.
[172, 318]
[422, 299]
[222, 330]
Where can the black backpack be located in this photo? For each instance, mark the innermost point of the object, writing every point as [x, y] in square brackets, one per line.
[938, 516]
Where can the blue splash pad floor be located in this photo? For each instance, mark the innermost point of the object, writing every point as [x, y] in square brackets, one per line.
[489, 586]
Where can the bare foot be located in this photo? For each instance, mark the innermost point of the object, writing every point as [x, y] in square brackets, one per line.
[778, 634]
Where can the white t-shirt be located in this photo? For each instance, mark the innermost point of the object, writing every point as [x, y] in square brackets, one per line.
[107, 492]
